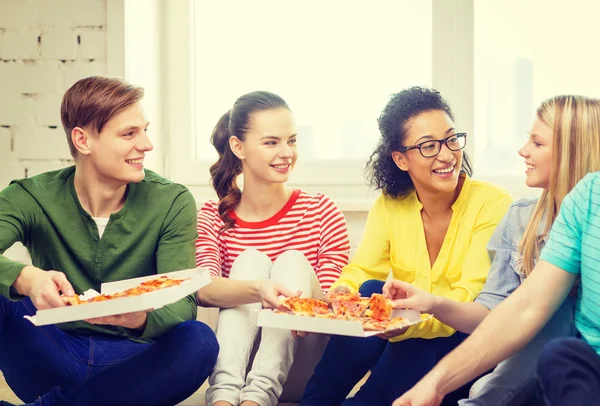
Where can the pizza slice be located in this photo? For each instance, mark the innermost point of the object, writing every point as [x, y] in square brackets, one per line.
[372, 324]
[151, 285]
[304, 306]
[380, 306]
[348, 304]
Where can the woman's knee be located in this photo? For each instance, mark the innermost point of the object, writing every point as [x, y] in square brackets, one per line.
[371, 286]
[251, 264]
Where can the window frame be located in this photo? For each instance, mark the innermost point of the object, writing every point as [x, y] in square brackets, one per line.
[342, 180]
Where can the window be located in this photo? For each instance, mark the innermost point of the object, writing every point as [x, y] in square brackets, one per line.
[335, 62]
[525, 52]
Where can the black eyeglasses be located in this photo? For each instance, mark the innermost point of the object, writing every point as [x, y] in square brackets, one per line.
[432, 148]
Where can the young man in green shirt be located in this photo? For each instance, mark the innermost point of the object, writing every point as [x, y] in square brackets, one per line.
[102, 220]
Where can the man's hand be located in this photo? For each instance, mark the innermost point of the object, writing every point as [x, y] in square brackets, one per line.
[269, 292]
[135, 320]
[420, 395]
[407, 296]
[43, 287]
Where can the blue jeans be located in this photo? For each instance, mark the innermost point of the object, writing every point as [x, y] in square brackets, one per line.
[48, 366]
[395, 367]
[569, 371]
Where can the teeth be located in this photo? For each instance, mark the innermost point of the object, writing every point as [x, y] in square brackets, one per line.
[447, 170]
[530, 166]
[135, 161]
[281, 166]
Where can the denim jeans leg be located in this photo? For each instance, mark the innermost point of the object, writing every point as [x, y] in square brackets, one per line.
[345, 361]
[166, 373]
[400, 367]
[35, 359]
[569, 370]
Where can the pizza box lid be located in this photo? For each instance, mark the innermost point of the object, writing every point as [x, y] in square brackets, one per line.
[151, 300]
[269, 318]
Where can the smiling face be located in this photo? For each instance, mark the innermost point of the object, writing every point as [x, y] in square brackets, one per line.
[117, 153]
[538, 155]
[436, 174]
[268, 152]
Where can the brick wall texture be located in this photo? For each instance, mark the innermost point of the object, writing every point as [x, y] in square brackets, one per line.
[45, 47]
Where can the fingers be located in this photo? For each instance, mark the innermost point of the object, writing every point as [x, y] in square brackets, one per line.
[402, 304]
[49, 299]
[400, 402]
[270, 301]
[62, 283]
[282, 290]
[296, 333]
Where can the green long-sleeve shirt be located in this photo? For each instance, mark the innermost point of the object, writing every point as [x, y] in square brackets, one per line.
[154, 232]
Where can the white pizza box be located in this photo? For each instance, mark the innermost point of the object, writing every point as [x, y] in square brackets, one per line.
[151, 300]
[269, 318]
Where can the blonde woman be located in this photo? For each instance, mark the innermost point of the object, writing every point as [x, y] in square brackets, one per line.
[563, 146]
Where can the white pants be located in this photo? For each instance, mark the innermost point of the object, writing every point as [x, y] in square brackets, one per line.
[236, 336]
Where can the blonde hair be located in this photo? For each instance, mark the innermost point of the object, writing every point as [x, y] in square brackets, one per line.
[575, 123]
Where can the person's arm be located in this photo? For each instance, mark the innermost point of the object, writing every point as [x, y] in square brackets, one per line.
[208, 249]
[175, 252]
[469, 281]
[18, 280]
[507, 329]
[13, 228]
[225, 292]
[372, 257]
[334, 244]
[462, 316]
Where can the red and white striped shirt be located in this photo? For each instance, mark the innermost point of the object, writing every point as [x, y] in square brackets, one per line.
[310, 224]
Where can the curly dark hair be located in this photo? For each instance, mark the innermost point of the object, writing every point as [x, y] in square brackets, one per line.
[382, 171]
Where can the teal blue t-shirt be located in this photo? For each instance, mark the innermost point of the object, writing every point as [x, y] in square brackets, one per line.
[574, 246]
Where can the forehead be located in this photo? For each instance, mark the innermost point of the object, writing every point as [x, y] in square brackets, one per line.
[132, 116]
[278, 122]
[541, 129]
[433, 123]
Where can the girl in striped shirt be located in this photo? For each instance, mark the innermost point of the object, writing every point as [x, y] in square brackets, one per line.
[266, 231]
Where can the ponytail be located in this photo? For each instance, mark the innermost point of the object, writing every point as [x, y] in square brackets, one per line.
[225, 171]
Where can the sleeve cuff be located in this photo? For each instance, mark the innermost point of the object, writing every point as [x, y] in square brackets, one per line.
[9, 275]
[561, 262]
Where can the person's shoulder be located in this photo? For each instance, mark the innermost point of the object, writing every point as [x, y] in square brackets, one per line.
[519, 214]
[317, 198]
[154, 184]
[210, 207]
[591, 184]
[395, 203]
[487, 190]
[153, 178]
[43, 184]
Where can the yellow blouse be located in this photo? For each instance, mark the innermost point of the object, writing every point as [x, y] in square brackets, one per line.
[394, 240]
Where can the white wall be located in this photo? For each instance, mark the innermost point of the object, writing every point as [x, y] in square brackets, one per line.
[45, 47]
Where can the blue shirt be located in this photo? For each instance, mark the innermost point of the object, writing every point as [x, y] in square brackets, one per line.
[505, 273]
[574, 246]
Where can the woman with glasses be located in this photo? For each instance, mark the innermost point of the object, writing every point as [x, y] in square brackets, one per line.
[429, 227]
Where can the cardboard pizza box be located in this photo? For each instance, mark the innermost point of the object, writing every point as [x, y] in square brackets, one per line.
[270, 318]
[150, 300]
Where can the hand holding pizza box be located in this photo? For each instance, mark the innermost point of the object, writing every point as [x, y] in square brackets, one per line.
[126, 296]
[349, 315]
